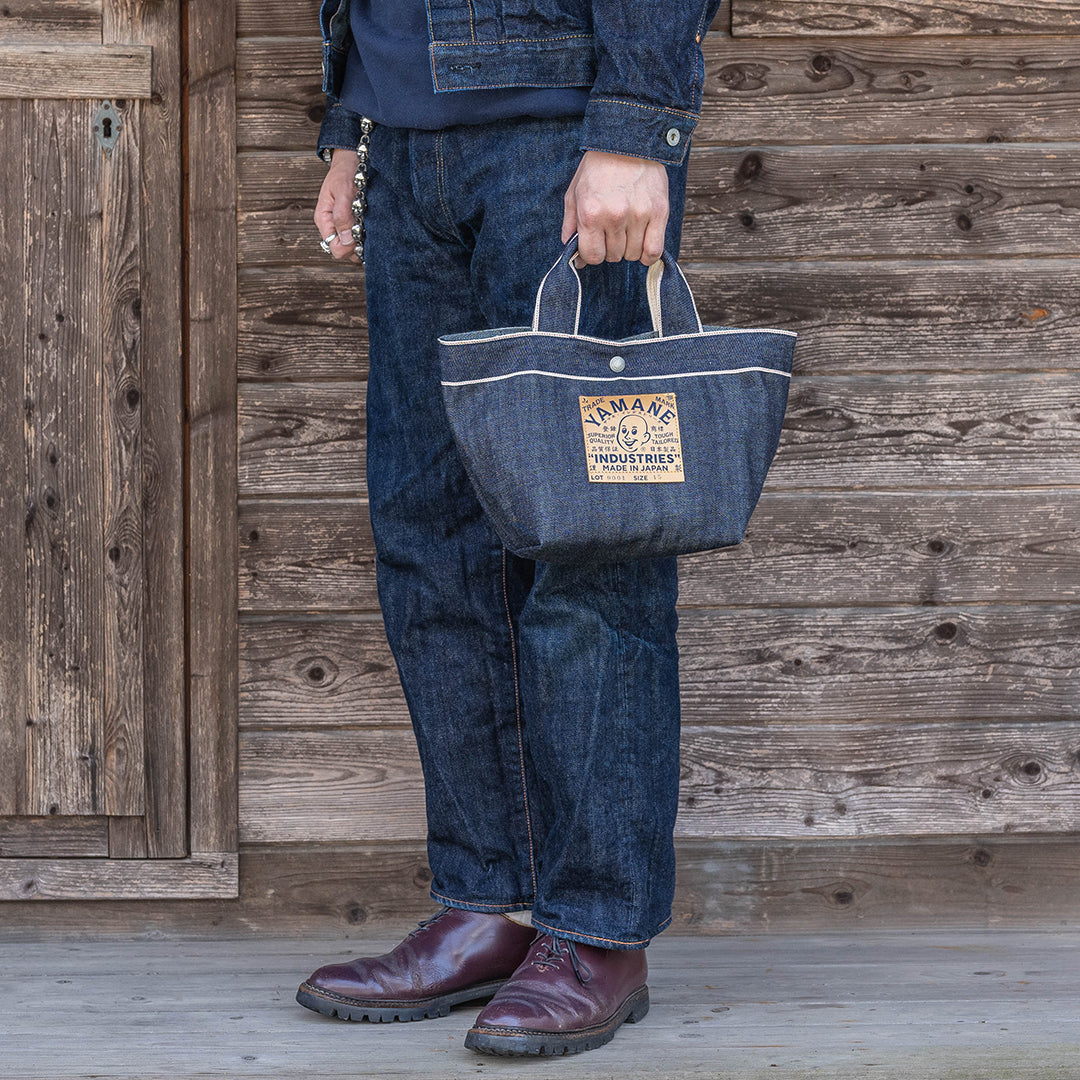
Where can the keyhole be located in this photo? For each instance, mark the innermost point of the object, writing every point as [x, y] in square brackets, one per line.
[106, 126]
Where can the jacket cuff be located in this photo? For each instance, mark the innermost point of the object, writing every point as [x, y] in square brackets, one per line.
[646, 131]
[340, 128]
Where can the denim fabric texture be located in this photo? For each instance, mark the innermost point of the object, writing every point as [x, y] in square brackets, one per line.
[706, 405]
[544, 698]
[388, 76]
[641, 58]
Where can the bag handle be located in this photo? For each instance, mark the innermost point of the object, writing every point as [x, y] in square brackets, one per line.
[671, 304]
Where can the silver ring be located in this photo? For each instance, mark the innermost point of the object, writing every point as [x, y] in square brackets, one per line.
[324, 243]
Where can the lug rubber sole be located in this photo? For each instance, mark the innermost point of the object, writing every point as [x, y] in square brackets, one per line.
[382, 1012]
[523, 1042]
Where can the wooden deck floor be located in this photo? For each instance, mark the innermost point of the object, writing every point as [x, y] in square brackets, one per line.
[912, 1005]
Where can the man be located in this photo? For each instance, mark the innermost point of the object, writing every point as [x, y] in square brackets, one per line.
[544, 698]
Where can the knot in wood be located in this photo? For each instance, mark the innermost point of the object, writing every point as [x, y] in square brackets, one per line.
[1028, 772]
[742, 76]
[749, 167]
[319, 671]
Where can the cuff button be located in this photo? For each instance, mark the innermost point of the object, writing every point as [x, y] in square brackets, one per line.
[673, 136]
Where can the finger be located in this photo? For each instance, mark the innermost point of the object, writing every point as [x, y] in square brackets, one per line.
[652, 246]
[592, 246]
[332, 222]
[636, 231]
[635, 238]
[324, 212]
[336, 218]
[615, 245]
[569, 220]
[343, 243]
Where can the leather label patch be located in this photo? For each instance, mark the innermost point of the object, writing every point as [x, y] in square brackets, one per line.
[632, 439]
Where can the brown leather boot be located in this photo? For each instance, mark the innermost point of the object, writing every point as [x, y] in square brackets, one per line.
[564, 998]
[452, 957]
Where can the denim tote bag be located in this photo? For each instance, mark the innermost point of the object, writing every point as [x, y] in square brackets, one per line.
[584, 450]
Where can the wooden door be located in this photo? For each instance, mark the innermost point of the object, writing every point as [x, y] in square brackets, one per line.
[95, 799]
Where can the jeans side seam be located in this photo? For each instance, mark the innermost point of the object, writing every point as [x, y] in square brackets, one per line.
[517, 717]
[622, 682]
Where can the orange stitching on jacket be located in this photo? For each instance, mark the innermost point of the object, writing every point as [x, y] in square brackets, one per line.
[648, 108]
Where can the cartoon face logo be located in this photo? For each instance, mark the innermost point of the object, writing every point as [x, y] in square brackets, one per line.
[633, 432]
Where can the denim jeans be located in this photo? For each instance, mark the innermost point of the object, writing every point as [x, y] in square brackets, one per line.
[544, 698]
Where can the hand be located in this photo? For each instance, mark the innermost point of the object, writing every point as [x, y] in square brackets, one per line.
[333, 211]
[619, 208]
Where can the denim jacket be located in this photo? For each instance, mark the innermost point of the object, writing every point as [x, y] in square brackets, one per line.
[641, 58]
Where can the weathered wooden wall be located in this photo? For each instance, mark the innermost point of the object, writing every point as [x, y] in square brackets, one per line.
[114, 781]
[880, 684]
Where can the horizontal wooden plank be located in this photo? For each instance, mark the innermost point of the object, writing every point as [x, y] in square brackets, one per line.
[787, 18]
[317, 672]
[816, 548]
[799, 780]
[867, 316]
[882, 201]
[260, 18]
[301, 323]
[290, 431]
[791, 780]
[315, 787]
[75, 71]
[285, 889]
[819, 664]
[777, 665]
[772, 203]
[774, 18]
[723, 887]
[889, 883]
[882, 431]
[57, 837]
[937, 431]
[878, 316]
[810, 90]
[281, 18]
[889, 90]
[928, 548]
[758, 664]
[924, 1005]
[50, 22]
[336, 555]
[200, 876]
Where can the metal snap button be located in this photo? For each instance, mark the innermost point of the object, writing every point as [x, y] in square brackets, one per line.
[616, 363]
[674, 136]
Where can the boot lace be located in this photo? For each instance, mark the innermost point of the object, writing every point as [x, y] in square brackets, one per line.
[424, 924]
[558, 949]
